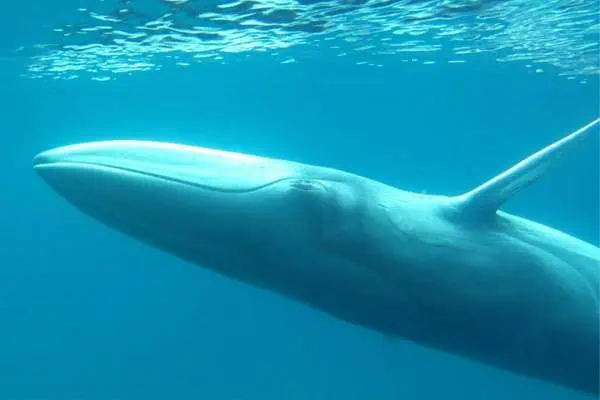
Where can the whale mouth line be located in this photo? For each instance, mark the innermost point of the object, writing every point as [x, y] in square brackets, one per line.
[108, 167]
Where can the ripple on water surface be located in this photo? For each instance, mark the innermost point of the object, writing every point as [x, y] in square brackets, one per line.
[124, 36]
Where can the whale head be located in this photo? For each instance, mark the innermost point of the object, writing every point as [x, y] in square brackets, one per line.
[238, 214]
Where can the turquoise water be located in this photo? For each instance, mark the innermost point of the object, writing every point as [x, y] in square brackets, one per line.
[429, 96]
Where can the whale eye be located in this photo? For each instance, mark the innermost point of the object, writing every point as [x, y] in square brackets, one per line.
[306, 185]
[310, 195]
[323, 210]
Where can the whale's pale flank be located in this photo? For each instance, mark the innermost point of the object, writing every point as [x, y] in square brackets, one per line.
[453, 273]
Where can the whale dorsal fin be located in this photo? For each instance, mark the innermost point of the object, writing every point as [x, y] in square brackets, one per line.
[488, 197]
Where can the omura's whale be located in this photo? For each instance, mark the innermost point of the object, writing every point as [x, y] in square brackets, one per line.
[449, 272]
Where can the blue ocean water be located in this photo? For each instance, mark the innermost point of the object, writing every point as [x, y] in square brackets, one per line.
[429, 96]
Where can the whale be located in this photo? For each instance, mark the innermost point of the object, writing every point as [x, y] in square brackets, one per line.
[449, 272]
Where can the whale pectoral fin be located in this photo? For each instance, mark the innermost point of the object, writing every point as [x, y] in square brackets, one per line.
[488, 197]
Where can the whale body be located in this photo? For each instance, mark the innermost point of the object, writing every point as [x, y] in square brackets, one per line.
[449, 272]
